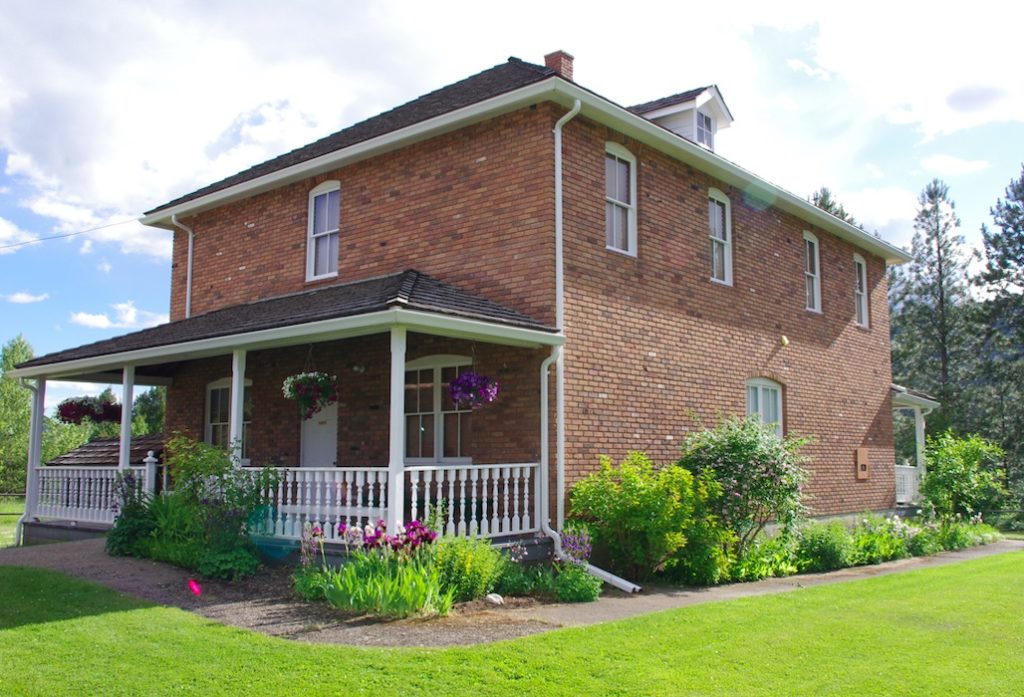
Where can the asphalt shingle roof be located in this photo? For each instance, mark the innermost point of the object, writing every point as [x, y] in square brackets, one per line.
[506, 77]
[410, 289]
[656, 104]
[104, 452]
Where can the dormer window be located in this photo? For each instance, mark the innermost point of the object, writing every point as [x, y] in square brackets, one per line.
[705, 130]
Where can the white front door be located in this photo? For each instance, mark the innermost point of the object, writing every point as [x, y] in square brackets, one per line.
[319, 446]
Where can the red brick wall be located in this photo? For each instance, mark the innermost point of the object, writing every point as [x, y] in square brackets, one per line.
[473, 207]
[504, 431]
[655, 349]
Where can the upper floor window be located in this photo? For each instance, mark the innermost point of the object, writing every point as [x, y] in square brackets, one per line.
[720, 230]
[436, 429]
[812, 273]
[705, 130]
[860, 289]
[764, 400]
[217, 429]
[322, 238]
[619, 199]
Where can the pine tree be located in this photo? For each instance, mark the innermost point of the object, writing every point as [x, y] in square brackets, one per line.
[931, 307]
[823, 199]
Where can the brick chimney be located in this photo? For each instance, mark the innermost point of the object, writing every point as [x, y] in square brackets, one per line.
[560, 62]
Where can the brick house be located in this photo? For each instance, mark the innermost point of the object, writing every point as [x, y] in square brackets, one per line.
[622, 283]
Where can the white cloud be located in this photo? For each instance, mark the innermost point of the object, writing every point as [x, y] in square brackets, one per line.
[104, 266]
[86, 247]
[11, 234]
[801, 67]
[949, 166]
[126, 316]
[22, 298]
[888, 210]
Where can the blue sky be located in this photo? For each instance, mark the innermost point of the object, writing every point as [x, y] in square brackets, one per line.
[110, 108]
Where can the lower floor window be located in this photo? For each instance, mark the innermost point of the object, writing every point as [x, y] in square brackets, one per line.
[764, 400]
[218, 415]
[436, 429]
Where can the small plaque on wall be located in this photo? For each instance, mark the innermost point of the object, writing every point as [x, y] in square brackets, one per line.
[863, 464]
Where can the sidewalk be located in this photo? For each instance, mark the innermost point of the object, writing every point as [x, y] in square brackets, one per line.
[616, 605]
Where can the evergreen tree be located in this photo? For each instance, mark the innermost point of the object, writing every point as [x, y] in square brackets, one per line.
[823, 199]
[931, 308]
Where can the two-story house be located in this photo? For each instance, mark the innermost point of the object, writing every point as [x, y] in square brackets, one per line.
[623, 283]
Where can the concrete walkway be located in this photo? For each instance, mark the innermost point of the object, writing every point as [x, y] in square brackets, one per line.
[616, 605]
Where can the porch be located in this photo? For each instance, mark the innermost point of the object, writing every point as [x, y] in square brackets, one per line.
[910, 474]
[394, 447]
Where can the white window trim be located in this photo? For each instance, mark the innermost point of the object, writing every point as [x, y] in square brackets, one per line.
[437, 363]
[622, 153]
[697, 113]
[718, 195]
[860, 299]
[770, 384]
[810, 237]
[324, 188]
[207, 430]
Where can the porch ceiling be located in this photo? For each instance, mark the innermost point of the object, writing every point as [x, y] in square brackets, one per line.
[411, 299]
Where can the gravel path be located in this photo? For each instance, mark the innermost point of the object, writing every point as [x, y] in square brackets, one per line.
[264, 603]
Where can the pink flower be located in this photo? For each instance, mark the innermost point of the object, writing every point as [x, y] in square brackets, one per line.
[193, 586]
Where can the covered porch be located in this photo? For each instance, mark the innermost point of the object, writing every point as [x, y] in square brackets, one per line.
[394, 447]
[910, 473]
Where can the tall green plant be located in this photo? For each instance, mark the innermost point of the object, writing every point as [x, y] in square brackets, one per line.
[759, 475]
[964, 475]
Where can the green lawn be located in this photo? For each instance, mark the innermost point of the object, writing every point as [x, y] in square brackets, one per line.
[7, 521]
[952, 630]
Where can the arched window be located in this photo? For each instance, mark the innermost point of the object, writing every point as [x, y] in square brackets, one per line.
[619, 199]
[436, 429]
[322, 233]
[720, 231]
[764, 399]
[217, 424]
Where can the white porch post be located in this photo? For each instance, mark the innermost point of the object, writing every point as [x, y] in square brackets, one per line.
[919, 440]
[127, 397]
[396, 460]
[35, 449]
[237, 405]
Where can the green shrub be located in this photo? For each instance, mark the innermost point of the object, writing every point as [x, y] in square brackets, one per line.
[574, 585]
[823, 547]
[310, 583]
[388, 585]
[636, 512]
[228, 564]
[964, 476]
[877, 539]
[759, 476]
[767, 558]
[178, 535]
[469, 567]
[924, 541]
[129, 535]
[514, 580]
[706, 559]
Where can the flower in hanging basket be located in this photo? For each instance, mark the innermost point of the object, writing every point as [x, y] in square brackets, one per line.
[471, 390]
[75, 410]
[313, 391]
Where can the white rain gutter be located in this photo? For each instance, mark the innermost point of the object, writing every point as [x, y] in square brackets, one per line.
[188, 268]
[560, 314]
[545, 483]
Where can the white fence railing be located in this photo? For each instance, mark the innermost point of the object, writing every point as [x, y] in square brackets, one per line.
[84, 494]
[326, 496]
[908, 483]
[475, 500]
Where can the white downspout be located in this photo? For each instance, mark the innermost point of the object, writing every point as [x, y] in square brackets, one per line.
[188, 267]
[545, 506]
[560, 318]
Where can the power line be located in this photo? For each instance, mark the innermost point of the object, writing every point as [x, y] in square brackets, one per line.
[66, 234]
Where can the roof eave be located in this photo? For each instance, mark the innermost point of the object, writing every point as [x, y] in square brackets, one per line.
[563, 92]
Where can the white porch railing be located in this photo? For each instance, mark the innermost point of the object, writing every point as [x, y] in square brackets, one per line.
[84, 494]
[326, 496]
[475, 500]
[908, 483]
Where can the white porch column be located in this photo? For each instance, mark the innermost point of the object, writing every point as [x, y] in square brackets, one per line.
[919, 441]
[396, 460]
[35, 449]
[237, 405]
[127, 398]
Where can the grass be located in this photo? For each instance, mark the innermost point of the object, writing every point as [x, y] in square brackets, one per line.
[951, 630]
[10, 511]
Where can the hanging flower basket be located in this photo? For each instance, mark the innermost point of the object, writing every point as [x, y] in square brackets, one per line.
[313, 391]
[471, 390]
[75, 410]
